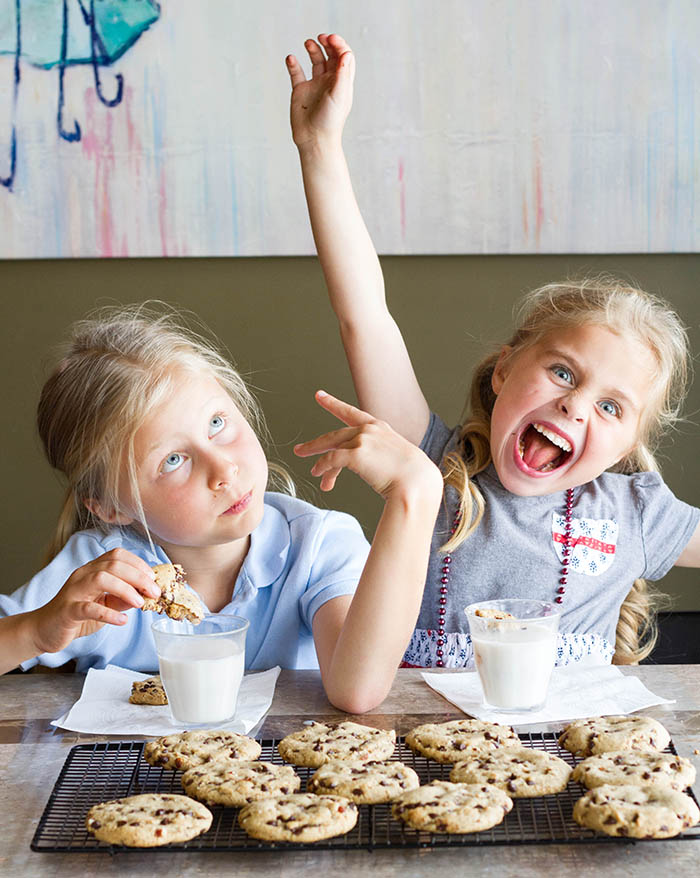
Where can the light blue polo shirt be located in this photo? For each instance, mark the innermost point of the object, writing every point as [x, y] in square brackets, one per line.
[299, 558]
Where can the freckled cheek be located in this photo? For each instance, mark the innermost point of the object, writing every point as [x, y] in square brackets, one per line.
[172, 512]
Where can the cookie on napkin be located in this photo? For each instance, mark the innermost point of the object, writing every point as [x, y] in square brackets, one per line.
[148, 691]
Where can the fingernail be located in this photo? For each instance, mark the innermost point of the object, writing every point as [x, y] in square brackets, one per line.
[139, 600]
[321, 393]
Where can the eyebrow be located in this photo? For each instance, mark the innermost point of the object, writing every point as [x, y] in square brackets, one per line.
[174, 440]
[614, 392]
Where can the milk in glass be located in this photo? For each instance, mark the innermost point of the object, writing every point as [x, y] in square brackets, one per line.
[201, 667]
[515, 666]
[202, 680]
[515, 643]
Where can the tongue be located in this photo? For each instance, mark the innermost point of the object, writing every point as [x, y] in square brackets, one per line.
[538, 451]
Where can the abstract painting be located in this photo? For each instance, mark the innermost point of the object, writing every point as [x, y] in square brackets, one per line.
[142, 128]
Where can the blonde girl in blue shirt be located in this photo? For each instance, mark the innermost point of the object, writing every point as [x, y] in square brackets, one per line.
[159, 440]
[551, 489]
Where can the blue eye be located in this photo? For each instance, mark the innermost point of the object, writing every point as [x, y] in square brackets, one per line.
[216, 425]
[172, 462]
[610, 408]
[563, 373]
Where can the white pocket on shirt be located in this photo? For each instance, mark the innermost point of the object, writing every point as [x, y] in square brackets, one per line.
[593, 543]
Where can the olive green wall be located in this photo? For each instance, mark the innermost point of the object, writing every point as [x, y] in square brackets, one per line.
[274, 317]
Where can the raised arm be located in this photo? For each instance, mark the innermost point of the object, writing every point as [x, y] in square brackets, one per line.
[360, 640]
[381, 369]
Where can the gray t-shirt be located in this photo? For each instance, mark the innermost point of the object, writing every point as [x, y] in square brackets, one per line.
[624, 527]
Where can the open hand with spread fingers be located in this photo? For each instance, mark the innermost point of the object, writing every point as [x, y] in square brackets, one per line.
[320, 105]
[390, 464]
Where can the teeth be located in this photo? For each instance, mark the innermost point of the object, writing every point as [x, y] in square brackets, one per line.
[555, 438]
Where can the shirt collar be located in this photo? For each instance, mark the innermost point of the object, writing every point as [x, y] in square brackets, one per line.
[267, 555]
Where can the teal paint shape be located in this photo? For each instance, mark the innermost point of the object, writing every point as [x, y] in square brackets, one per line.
[118, 24]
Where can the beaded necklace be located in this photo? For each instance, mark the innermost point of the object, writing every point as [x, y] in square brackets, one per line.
[447, 560]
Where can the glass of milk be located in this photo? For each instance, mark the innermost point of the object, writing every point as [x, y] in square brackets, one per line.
[515, 651]
[201, 667]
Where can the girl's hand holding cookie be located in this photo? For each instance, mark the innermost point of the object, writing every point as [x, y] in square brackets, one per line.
[95, 594]
[390, 464]
[320, 105]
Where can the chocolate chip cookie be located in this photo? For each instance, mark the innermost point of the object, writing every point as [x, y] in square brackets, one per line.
[600, 734]
[301, 817]
[366, 783]
[459, 739]
[148, 820]
[320, 742]
[237, 783]
[637, 768]
[186, 750]
[148, 691]
[636, 812]
[176, 600]
[521, 772]
[442, 806]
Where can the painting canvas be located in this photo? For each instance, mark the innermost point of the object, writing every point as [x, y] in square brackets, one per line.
[144, 128]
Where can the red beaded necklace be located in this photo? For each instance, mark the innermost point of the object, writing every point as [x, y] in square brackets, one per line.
[447, 560]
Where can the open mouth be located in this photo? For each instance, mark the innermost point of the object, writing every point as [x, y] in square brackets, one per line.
[542, 449]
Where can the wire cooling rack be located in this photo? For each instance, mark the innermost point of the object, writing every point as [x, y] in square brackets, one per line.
[95, 773]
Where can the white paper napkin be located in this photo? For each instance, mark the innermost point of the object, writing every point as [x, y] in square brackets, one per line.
[104, 708]
[574, 693]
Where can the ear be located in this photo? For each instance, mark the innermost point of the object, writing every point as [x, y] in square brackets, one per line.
[107, 513]
[501, 369]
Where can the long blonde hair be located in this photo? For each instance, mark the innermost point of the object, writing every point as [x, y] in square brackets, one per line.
[118, 365]
[603, 301]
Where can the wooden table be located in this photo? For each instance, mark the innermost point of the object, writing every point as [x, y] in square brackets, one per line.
[32, 753]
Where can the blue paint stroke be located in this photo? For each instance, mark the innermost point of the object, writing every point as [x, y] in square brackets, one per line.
[9, 180]
[43, 34]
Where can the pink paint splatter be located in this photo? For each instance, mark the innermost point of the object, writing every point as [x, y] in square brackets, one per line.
[402, 199]
[539, 201]
[163, 213]
[101, 152]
